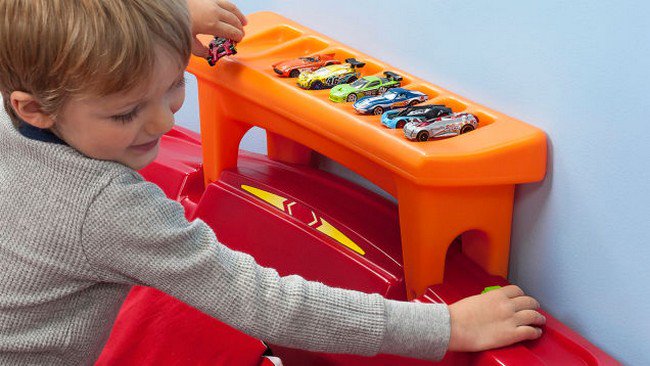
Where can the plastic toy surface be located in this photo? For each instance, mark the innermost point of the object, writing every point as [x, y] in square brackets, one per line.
[394, 98]
[460, 186]
[366, 86]
[429, 112]
[447, 126]
[292, 68]
[218, 48]
[447, 236]
[329, 76]
[155, 328]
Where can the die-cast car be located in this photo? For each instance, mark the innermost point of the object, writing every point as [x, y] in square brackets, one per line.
[329, 76]
[366, 86]
[420, 113]
[393, 98]
[452, 125]
[292, 68]
[218, 48]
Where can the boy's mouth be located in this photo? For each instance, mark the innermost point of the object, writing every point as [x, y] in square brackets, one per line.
[146, 146]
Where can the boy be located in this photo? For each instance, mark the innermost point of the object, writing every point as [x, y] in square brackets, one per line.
[90, 87]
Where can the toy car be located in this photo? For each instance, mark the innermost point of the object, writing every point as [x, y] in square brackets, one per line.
[394, 98]
[452, 125]
[366, 86]
[218, 48]
[292, 68]
[421, 113]
[329, 76]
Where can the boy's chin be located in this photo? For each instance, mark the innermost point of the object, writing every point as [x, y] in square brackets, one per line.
[142, 159]
[141, 165]
[141, 162]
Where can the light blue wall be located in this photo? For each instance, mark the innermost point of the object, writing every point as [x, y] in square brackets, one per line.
[580, 71]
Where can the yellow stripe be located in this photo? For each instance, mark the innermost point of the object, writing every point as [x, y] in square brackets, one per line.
[329, 230]
[326, 228]
[273, 199]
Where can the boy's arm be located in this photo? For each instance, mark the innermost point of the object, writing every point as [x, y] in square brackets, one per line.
[133, 234]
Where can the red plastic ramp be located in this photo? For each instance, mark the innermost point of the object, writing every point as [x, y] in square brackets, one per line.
[154, 328]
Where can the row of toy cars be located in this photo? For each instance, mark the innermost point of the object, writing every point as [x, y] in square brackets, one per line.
[419, 122]
[377, 95]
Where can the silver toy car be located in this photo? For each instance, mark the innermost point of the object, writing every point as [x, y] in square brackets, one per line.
[451, 125]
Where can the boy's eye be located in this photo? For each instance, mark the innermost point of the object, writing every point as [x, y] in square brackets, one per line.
[126, 117]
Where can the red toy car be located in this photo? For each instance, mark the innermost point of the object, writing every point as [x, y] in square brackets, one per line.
[292, 68]
[218, 48]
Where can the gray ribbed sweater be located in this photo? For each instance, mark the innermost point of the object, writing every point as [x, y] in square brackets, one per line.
[77, 233]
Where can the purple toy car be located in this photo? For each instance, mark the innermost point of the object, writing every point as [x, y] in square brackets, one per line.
[218, 48]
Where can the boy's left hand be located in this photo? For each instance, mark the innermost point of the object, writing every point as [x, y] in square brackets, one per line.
[494, 319]
[215, 17]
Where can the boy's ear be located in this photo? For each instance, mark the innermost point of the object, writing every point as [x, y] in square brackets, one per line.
[28, 108]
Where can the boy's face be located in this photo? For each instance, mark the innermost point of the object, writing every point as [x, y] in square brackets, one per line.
[125, 127]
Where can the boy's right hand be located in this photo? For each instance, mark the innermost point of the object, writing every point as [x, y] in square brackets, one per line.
[219, 18]
[494, 319]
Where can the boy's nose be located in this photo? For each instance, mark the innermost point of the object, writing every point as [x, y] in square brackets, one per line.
[161, 123]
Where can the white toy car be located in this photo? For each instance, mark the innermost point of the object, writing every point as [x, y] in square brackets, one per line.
[446, 126]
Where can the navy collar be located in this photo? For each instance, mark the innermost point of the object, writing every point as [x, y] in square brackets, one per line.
[38, 134]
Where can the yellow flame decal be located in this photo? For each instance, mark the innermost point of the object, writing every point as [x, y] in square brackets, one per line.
[329, 230]
[268, 197]
[325, 227]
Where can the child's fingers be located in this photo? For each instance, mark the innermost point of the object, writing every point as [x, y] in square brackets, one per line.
[525, 302]
[232, 8]
[228, 31]
[527, 333]
[230, 18]
[511, 291]
[529, 317]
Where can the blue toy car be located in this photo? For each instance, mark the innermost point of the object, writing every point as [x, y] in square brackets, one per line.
[399, 118]
[393, 98]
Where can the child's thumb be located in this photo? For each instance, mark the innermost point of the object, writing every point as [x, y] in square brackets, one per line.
[198, 48]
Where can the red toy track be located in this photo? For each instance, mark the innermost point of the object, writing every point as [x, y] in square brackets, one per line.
[154, 328]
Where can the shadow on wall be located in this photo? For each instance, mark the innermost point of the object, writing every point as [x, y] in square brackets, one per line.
[530, 205]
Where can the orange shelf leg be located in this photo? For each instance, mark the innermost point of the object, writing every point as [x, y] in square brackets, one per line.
[286, 150]
[220, 134]
[432, 217]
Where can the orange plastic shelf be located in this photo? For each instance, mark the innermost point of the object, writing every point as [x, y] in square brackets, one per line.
[457, 186]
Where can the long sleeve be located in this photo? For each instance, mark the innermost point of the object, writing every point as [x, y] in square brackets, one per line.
[133, 234]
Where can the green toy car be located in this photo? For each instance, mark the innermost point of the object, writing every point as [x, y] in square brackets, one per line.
[366, 86]
[329, 76]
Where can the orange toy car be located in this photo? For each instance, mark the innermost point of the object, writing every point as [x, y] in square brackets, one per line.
[292, 68]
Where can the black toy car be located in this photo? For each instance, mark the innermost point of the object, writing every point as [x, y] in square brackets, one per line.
[427, 112]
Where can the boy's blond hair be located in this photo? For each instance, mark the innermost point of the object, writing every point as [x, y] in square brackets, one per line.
[56, 49]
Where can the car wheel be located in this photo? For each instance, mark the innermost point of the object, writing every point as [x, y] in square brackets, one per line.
[381, 90]
[317, 85]
[466, 129]
[294, 74]
[422, 136]
[378, 110]
[400, 124]
[352, 97]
